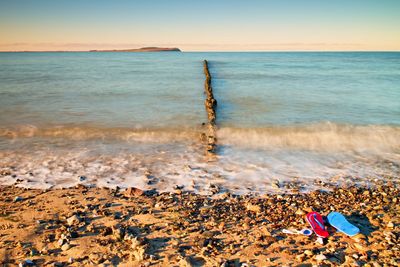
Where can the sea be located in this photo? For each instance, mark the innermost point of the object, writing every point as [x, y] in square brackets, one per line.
[286, 121]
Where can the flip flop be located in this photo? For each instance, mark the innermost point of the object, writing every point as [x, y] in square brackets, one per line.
[340, 222]
[317, 224]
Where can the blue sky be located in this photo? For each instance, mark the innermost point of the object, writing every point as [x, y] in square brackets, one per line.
[200, 25]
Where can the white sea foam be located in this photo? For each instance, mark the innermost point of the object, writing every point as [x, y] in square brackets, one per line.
[249, 160]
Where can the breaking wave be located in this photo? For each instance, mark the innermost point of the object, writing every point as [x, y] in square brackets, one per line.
[324, 137]
[81, 133]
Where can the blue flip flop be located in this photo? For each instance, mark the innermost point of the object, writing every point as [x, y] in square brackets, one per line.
[340, 222]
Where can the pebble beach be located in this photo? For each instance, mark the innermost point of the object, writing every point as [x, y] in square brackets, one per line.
[83, 226]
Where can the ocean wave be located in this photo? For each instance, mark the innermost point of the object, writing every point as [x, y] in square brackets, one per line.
[159, 135]
[322, 137]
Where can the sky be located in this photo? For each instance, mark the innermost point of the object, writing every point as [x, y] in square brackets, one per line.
[205, 25]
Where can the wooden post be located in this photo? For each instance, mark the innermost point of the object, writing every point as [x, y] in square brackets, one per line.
[210, 105]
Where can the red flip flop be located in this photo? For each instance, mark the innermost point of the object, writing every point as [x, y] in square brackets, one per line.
[317, 224]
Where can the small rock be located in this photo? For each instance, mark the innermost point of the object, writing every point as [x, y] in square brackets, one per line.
[185, 262]
[26, 263]
[300, 212]
[138, 254]
[65, 247]
[5, 172]
[96, 258]
[18, 198]
[73, 220]
[118, 232]
[253, 208]
[366, 193]
[62, 241]
[133, 192]
[375, 264]
[301, 257]
[360, 247]
[275, 184]
[390, 225]
[308, 252]
[135, 243]
[320, 257]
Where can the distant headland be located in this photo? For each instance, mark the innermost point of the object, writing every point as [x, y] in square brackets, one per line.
[143, 49]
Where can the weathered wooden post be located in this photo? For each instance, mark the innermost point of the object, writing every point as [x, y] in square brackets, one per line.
[210, 105]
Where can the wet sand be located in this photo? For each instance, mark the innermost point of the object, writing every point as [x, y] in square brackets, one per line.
[104, 227]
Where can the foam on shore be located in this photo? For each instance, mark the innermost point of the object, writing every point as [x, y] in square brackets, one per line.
[249, 160]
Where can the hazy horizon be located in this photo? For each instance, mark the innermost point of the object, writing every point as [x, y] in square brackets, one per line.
[222, 25]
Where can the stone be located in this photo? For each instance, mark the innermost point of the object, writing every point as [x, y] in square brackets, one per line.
[18, 198]
[96, 258]
[138, 254]
[73, 220]
[275, 184]
[26, 263]
[390, 225]
[360, 247]
[118, 233]
[135, 243]
[375, 264]
[300, 212]
[65, 247]
[253, 208]
[308, 252]
[5, 172]
[320, 257]
[185, 262]
[133, 192]
[301, 257]
[62, 241]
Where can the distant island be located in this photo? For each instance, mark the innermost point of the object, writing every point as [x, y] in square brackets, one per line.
[143, 49]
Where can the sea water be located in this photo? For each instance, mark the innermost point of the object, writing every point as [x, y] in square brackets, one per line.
[134, 119]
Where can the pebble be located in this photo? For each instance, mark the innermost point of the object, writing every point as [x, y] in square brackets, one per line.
[96, 258]
[213, 220]
[73, 220]
[138, 254]
[185, 262]
[275, 184]
[253, 208]
[26, 263]
[62, 241]
[65, 247]
[118, 232]
[320, 257]
[133, 192]
[300, 212]
[308, 252]
[300, 257]
[18, 198]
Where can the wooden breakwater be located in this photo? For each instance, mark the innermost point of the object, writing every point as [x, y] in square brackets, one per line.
[210, 104]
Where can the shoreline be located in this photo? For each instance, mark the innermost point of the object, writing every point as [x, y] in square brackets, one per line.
[84, 226]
